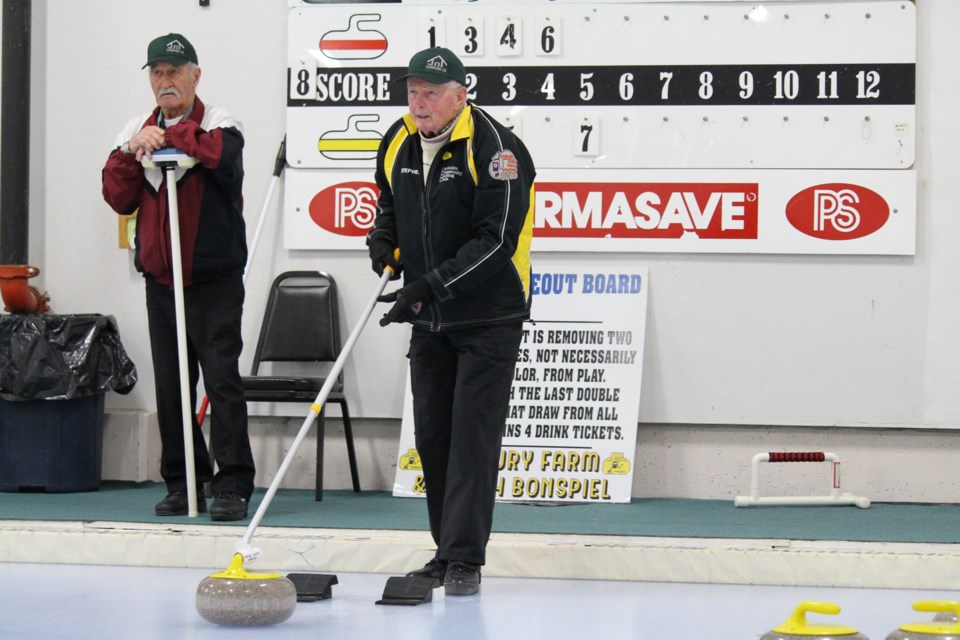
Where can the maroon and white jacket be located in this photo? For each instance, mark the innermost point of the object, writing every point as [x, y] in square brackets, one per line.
[209, 196]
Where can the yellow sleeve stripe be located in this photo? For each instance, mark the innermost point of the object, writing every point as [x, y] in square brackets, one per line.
[521, 257]
[390, 158]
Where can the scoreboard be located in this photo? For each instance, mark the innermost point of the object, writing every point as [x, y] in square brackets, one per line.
[782, 97]
[778, 85]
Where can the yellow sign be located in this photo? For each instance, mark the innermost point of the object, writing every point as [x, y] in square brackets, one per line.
[410, 461]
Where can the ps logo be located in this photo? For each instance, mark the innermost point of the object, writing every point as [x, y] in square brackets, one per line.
[837, 211]
[346, 209]
[355, 207]
[834, 208]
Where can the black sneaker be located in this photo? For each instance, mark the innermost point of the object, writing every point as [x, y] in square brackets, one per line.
[227, 507]
[176, 504]
[435, 569]
[462, 579]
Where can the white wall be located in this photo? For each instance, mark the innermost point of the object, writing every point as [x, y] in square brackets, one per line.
[699, 424]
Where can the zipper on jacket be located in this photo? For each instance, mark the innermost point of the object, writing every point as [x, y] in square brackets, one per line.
[427, 248]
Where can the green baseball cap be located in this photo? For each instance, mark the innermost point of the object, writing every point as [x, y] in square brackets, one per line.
[437, 65]
[172, 48]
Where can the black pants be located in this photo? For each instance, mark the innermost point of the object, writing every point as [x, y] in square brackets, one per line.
[461, 394]
[213, 311]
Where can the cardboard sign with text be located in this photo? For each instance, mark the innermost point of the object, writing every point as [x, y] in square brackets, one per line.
[571, 431]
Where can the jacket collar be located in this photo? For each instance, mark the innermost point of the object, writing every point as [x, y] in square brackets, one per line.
[464, 126]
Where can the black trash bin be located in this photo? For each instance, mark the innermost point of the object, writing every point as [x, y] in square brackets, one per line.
[54, 373]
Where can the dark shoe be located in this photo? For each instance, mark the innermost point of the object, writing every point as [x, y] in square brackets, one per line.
[435, 569]
[462, 579]
[227, 507]
[175, 504]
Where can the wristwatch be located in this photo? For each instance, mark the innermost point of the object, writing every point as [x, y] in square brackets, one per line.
[125, 147]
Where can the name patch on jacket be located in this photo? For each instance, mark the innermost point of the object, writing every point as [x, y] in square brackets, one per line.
[503, 166]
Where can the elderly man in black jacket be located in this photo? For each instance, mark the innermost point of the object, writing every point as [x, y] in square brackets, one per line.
[456, 197]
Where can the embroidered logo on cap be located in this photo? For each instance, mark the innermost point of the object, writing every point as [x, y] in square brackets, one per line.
[437, 63]
[503, 166]
[175, 46]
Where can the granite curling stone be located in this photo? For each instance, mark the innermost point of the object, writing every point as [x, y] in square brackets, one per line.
[944, 626]
[796, 627]
[236, 597]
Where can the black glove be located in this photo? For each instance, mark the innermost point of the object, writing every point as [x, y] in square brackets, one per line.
[381, 255]
[407, 302]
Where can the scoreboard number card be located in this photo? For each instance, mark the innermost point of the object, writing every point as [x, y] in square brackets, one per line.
[509, 36]
[472, 37]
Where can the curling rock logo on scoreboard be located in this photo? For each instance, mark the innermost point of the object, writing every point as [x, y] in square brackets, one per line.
[356, 42]
[646, 210]
[345, 209]
[837, 211]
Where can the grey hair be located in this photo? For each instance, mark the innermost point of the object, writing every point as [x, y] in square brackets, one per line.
[191, 66]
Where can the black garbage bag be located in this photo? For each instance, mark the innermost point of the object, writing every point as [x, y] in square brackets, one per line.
[59, 357]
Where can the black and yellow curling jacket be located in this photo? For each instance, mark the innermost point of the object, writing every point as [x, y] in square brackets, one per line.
[467, 230]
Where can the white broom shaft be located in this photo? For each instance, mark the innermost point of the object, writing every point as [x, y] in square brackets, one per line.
[279, 165]
[316, 408]
[174, 215]
[263, 217]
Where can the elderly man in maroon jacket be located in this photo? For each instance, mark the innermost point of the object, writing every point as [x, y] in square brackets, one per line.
[214, 251]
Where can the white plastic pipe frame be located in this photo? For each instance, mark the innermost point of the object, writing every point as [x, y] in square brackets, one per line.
[835, 498]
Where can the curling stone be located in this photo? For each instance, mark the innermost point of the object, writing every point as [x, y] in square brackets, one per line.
[943, 627]
[239, 598]
[796, 627]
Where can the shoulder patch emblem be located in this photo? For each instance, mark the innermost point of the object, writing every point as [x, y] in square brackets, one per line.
[503, 166]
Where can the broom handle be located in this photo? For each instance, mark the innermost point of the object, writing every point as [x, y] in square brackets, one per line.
[278, 166]
[174, 215]
[315, 409]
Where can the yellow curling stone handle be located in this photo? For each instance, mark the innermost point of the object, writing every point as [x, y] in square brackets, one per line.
[935, 628]
[236, 572]
[797, 625]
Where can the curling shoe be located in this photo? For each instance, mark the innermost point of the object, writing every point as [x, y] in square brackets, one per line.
[435, 569]
[462, 579]
[227, 507]
[176, 504]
